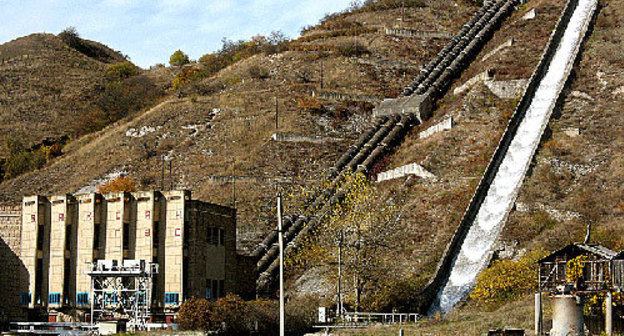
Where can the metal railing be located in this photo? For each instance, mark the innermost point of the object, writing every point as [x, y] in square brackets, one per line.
[383, 318]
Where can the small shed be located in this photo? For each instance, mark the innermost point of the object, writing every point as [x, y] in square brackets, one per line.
[597, 269]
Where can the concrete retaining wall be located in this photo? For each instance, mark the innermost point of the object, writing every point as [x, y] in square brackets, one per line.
[410, 169]
[509, 89]
[338, 96]
[287, 137]
[484, 76]
[494, 51]
[407, 32]
[443, 125]
[431, 290]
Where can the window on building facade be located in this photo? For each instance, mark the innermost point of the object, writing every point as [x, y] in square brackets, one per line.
[82, 299]
[54, 298]
[172, 298]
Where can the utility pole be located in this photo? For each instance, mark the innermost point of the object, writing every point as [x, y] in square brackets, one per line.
[339, 303]
[276, 115]
[280, 231]
[321, 72]
[171, 175]
[162, 174]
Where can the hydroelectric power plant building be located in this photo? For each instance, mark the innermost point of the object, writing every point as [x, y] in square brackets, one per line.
[48, 244]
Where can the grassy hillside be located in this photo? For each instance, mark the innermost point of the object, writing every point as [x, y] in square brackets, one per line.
[54, 88]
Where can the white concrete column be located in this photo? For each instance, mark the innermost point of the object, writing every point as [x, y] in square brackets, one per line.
[609, 314]
[538, 313]
[567, 316]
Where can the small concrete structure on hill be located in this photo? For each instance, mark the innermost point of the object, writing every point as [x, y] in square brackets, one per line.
[418, 105]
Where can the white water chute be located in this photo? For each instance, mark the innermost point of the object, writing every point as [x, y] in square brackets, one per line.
[476, 249]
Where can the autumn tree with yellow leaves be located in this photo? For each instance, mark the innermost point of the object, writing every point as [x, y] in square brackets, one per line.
[121, 183]
[365, 224]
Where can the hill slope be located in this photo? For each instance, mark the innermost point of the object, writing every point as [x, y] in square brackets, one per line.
[224, 125]
[45, 83]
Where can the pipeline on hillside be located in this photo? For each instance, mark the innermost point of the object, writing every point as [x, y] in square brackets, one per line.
[386, 132]
[470, 249]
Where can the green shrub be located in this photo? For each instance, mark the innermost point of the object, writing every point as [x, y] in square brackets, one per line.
[179, 58]
[185, 76]
[234, 51]
[121, 71]
[258, 72]
[353, 49]
[21, 160]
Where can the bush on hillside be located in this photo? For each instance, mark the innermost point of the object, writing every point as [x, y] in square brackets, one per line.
[121, 183]
[179, 58]
[121, 71]
[114, 100]
[235, 51]
[507, 280]
[258, 72]
[311, 104]
[21, 160]
[353, 49]
[71, 37]
[90, 49]
[186, 76]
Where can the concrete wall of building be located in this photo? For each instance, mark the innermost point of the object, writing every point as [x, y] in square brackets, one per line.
[14, 271]
[175, 217]
[146, 215]
[89, 223]
[35, 247]
[211, 250]
[55, 239]
[116, 215]
[61, 223]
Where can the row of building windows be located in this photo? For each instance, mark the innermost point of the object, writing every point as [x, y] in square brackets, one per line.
[82, 299]
[54, 298]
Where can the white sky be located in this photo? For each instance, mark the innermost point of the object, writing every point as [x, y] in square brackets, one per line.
[149, 31]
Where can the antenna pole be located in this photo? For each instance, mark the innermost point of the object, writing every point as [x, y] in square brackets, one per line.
[162, 174]
[281, 269]
[171, 175]
[276, 115]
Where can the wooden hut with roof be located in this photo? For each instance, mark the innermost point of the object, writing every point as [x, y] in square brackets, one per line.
[581, 268]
